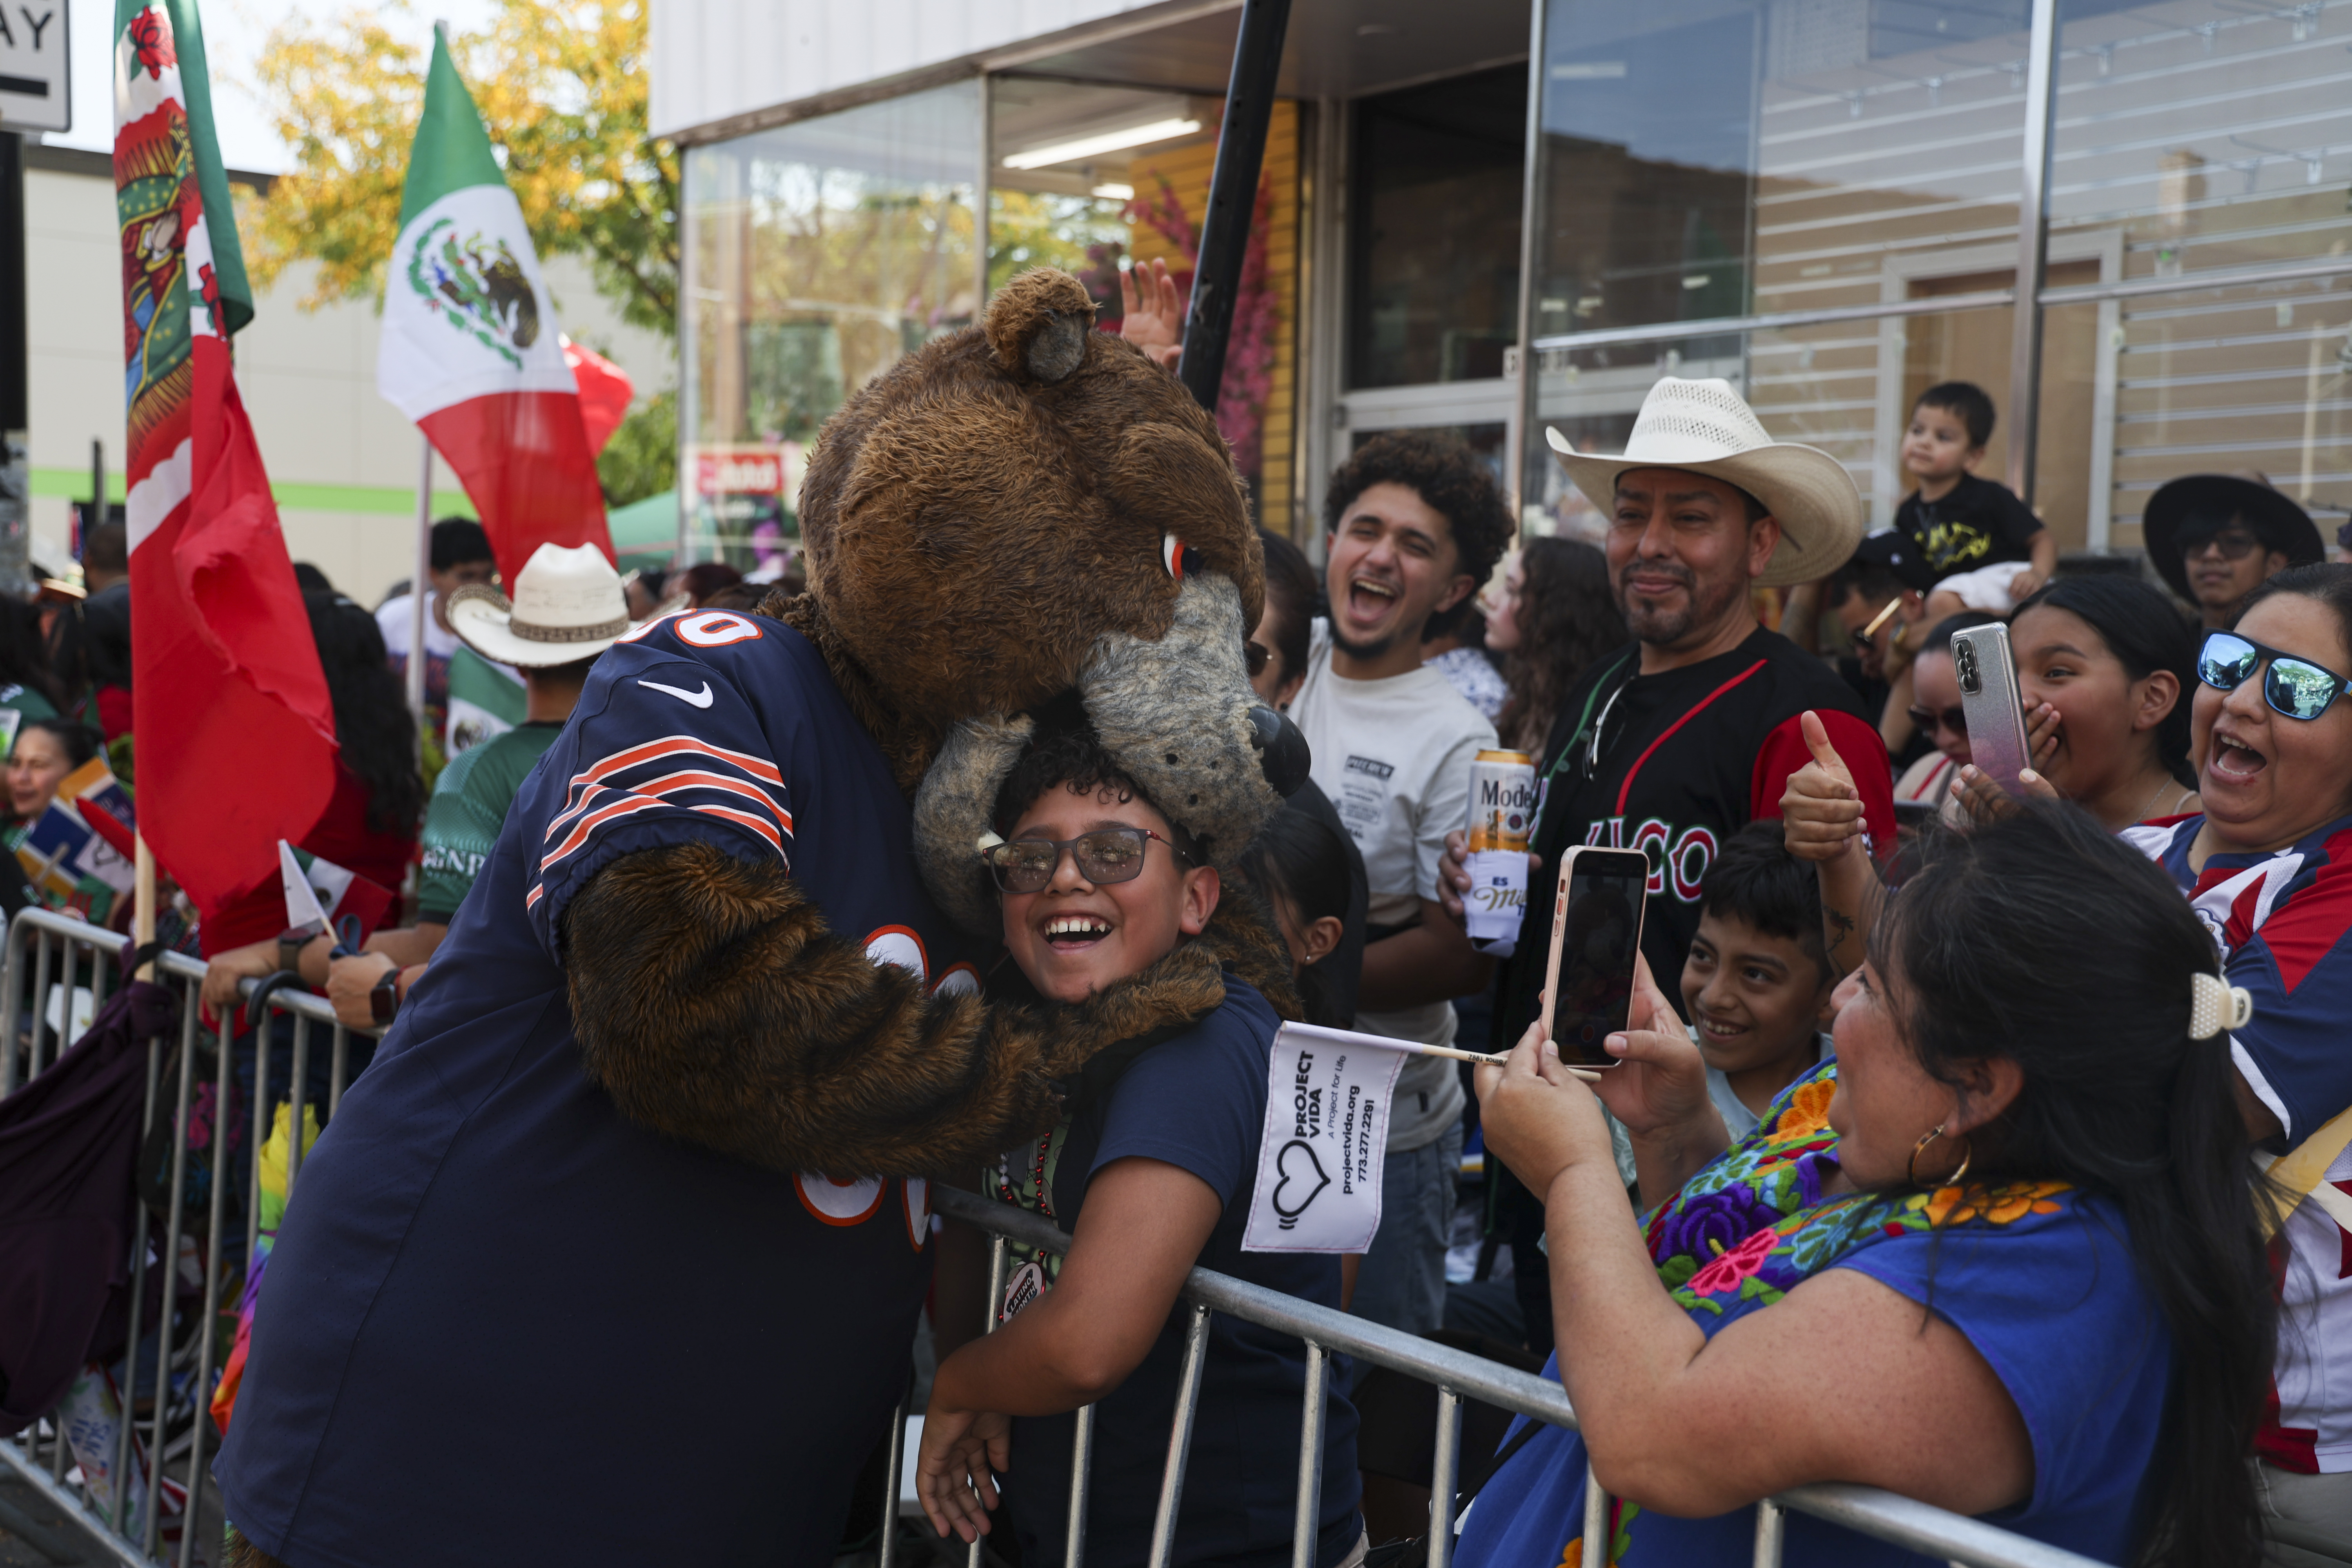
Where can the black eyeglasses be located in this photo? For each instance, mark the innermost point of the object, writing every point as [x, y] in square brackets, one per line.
[2295, 687]
[2235, 544]
[1105, 856]
[1926, 720]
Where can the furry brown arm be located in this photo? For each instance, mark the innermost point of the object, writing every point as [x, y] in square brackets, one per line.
[713, 1004]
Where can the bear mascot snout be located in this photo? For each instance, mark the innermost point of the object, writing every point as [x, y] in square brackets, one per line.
[654, 1131]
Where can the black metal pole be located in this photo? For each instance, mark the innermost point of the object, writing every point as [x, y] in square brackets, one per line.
[14, 402]
[1233, 196]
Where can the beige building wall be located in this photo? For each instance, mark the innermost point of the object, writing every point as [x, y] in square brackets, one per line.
[343, 460]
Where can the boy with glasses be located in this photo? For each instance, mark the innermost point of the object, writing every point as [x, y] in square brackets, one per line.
[2216, 538]
[1151, 1171]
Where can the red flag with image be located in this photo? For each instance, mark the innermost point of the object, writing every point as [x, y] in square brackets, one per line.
[236, 734]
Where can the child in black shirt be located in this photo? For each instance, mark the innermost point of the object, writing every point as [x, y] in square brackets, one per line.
[1968, 533]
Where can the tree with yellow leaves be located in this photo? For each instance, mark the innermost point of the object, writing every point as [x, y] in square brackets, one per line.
[561, 84]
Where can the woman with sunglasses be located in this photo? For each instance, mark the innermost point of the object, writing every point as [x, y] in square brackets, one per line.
[2267, 865]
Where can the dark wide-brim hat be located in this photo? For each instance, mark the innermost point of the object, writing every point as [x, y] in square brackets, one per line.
[2280, 523]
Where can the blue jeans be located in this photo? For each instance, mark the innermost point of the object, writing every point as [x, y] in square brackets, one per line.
[1402, 1281]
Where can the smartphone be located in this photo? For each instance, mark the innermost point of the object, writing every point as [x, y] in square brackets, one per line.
[1988, 678]
[1596, 935]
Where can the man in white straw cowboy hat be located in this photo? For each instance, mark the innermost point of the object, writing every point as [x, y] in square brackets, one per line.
[568, 607]
[1672, 744]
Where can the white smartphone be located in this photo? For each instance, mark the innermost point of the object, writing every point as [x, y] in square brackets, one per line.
[1988, 678]
[1596, 936]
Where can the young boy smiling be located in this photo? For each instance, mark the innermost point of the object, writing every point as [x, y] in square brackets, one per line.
[1758, 982]
[1151, 1174]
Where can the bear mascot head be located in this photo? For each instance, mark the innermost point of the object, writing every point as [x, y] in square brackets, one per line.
[1022, 512]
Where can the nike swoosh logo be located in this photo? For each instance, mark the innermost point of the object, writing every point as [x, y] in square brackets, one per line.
[697, 698]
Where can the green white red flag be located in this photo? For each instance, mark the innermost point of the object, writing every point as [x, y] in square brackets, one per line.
[236, 734]
[471, 349]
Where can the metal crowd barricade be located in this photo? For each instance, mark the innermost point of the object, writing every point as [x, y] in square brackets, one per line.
[51, 958]
[1456, 1375]
[60, 970]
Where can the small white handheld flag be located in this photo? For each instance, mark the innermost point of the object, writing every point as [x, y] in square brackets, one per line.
[1324, 1141]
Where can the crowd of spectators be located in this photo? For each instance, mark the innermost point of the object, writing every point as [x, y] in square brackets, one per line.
[1920, 1063]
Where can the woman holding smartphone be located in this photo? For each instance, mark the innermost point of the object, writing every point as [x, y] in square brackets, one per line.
[1957, 1262]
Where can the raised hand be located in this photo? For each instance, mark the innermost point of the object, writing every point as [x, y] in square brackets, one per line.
[1153, 315]
[1821, 812]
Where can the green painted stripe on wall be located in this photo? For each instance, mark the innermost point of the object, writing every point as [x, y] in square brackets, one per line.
[378, 500]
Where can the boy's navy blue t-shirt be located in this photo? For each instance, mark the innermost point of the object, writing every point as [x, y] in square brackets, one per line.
[490, 1279]
[1197, 1101]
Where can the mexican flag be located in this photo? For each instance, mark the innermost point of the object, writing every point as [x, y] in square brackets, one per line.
[320, 893]
[485, 701]
[235, 736]
[471, 350]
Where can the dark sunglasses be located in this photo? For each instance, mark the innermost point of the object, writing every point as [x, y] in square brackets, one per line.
[1107, 855]
[1866, 641]
[2295, 687]
[2235, 544]
[1926, 720]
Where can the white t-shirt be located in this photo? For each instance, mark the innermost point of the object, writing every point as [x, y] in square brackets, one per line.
[1394, 756]
[392, 620]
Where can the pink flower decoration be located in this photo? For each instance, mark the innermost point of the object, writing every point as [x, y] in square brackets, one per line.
[1730, 1268]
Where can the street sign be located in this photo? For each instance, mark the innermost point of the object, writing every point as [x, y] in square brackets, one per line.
[36, 89]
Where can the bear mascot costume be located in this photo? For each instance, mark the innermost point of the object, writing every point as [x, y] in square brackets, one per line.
[614, 1253]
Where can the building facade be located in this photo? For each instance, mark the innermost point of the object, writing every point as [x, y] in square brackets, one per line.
[342, 462]
[2128, 222]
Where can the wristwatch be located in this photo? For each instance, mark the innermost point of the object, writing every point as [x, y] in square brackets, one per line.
[290, 943]
[384, 1001]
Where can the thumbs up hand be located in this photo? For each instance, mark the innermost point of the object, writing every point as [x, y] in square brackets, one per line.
[1821, 813]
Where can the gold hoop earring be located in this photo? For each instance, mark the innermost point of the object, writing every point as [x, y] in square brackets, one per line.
[1912, 1168]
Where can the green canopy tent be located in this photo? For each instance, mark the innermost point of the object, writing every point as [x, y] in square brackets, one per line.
[644, 534]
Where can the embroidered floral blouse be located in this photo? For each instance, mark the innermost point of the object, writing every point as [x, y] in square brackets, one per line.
[2039, 1279]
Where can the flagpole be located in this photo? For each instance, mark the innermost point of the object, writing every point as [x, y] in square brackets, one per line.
[417, 588]
[142, 910]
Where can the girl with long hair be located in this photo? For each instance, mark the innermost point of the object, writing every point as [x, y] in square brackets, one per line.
[371, 823]
[1553, 618]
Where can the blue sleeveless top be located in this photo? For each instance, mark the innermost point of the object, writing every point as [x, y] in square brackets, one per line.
[2039, 1277]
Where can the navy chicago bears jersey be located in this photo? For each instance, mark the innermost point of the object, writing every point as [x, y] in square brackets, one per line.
[499, 1310]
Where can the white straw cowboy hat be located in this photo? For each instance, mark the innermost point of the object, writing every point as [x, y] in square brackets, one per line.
[567, 605]
[1706, 427]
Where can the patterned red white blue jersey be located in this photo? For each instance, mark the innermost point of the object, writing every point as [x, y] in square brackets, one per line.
[488, 1272]
[2284, 923]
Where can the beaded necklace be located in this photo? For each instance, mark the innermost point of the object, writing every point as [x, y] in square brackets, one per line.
[1032, 1189]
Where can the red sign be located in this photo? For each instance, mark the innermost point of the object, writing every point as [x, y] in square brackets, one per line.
[742, 470]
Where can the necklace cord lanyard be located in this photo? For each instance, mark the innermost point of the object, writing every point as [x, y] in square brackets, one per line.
[1590, 732]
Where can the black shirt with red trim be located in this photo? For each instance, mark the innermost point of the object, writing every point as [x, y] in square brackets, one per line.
[1685, 757]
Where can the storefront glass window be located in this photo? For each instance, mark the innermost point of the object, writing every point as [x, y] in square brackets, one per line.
[1728, 157]
[821, 252]
[1434, 232]
[2195, 136]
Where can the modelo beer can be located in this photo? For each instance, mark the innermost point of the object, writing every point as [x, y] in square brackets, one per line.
[1502, 818]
